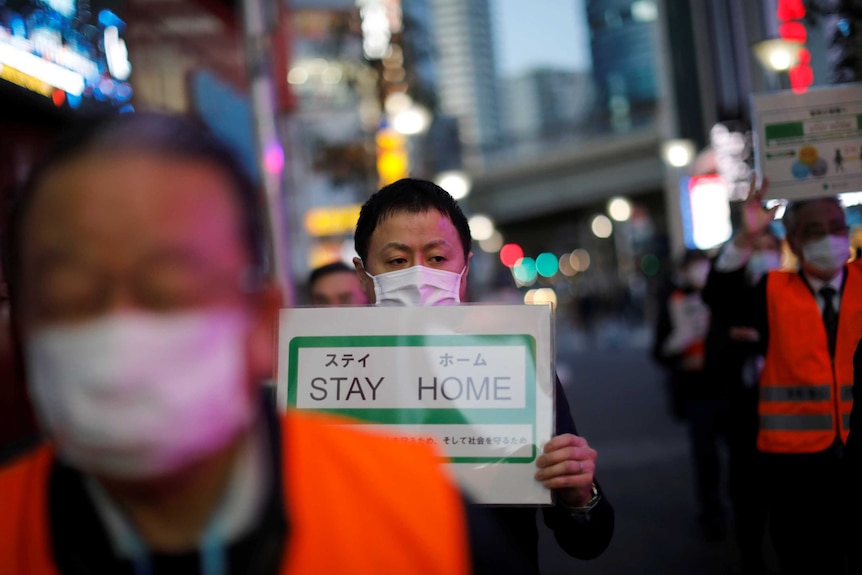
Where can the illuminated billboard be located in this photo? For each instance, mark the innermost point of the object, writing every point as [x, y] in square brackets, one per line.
[705, 211]
[69, 52]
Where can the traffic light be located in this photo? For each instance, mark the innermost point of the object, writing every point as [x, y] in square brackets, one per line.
[843, 45]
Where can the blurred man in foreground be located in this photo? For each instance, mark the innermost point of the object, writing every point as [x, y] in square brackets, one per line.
[335, 284]
[414, 245]
[135, 269]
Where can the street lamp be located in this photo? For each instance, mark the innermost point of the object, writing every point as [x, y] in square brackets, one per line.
[456, 182]
[620, 209]
[481, 227]
[601, 226]
[777, 54]
[678, 153]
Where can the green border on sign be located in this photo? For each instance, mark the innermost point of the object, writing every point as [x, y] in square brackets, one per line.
[389, 416]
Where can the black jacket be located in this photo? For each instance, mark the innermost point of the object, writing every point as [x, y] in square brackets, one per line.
[582, 537]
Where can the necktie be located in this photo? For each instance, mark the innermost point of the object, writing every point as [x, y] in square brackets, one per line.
[830, 316]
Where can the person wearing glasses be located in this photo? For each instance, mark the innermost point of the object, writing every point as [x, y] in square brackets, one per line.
[807, 323]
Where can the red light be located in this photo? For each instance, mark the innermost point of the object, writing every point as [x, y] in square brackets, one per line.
[510, 254]
[804, 56]
[58, 97]
[793, 31]
[801, 77]
[790, 10]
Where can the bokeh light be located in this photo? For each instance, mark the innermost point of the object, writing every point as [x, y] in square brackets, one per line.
[510, 254]
[620, 209]
[566, 267]
[602, 226]
[546, 265]
[493, 244]
[455, 182]
[525, 270]
[541, 296]
[650, 264]
[580, 260]
[481, 227]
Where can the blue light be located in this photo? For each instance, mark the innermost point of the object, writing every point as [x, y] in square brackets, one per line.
[525, 271]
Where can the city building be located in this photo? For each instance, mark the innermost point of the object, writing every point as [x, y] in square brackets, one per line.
[467, 73]
[545, 103]
[623, 43]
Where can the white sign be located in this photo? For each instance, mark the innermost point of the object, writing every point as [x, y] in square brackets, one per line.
[476, 381]
[810, 145]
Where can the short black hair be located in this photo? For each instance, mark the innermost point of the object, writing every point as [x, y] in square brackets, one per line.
[412, 196]
[162, 134]
[325, 270]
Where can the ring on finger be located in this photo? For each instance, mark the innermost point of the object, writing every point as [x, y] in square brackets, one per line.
[581, 465]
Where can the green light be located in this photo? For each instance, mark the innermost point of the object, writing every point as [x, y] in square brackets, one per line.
[547, 265]
[525, 271]
[650, 264]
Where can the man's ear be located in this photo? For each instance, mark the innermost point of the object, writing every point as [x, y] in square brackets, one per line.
[263, 333]
[462, 292]
[366, 282]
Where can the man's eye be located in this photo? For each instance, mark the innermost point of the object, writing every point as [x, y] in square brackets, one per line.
[437, 259]
[398, 261]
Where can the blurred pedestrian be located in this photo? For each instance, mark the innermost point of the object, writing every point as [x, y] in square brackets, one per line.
[413, 243]
[335, 284]
[853, 472]
[733, 364]
[146, 321]
[680, 345]
[808, 322]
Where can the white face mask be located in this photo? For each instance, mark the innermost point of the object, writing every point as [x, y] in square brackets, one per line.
[697, 273]
[417, 285]
[138, 396]
[761, 262]
[828, 254]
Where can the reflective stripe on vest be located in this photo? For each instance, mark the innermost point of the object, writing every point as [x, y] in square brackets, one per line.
[805, 399]
[796, 422]
[821, 392]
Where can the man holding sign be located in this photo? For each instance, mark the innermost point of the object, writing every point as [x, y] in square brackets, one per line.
[413, 243]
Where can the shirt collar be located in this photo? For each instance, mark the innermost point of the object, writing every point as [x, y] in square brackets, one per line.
[817, 284]
[236, 513]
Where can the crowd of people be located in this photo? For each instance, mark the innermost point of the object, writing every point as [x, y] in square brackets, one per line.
[143, 319]
[760, 358]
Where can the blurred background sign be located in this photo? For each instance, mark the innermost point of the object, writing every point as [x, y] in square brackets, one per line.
[810, 144]
[705, 211]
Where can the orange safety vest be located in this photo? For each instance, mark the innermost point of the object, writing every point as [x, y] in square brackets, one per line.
[805, 397]
[357, 503]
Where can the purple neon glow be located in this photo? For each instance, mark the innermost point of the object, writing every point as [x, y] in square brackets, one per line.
[273, 158]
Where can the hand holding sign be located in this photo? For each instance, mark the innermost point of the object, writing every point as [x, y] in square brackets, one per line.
[568, 465]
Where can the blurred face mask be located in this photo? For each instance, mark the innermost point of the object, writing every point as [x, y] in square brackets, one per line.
[696, 274]
[417, 286]
[138, 396]
[762, 262]
[828, 254]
